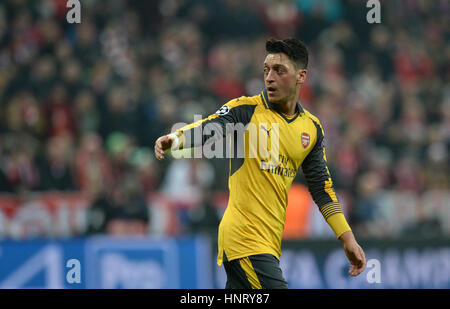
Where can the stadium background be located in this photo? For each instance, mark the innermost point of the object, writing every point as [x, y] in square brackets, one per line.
[81, 106]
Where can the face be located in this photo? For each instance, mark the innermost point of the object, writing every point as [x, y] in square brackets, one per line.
[281, 78]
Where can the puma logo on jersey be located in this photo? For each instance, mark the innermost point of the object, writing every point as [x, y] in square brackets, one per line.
[268, 131]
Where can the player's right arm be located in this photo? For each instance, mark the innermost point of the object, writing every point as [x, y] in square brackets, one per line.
[238, 110]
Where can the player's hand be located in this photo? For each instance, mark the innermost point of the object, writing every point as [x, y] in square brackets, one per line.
[163, 146]
[354, 253]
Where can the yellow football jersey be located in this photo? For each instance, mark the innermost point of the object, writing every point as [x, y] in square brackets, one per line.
[259, 181]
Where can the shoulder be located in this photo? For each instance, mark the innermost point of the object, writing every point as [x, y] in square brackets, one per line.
[313, 118]
[237, 104]
[243, 100]
[241, 108]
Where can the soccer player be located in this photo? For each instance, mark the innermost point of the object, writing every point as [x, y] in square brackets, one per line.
[250, 233]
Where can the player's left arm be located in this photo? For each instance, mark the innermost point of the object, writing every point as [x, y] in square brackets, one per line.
[320, 186]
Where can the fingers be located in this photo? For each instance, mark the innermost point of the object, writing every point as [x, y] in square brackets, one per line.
[159, 152]
[352, 271]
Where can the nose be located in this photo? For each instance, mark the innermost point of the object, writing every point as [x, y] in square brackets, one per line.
[269, 77]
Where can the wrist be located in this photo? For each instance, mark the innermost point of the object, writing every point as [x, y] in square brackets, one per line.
[347, 237]
[177, 140]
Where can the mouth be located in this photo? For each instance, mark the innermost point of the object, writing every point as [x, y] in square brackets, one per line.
[271, 90]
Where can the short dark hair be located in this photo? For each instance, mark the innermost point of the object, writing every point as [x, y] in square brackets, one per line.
[295, 50]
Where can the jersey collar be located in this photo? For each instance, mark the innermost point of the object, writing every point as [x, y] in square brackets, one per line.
[268, 104]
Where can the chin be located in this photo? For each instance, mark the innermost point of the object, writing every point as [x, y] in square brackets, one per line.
[273, 98]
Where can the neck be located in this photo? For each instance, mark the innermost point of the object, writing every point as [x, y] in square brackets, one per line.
[289, 106]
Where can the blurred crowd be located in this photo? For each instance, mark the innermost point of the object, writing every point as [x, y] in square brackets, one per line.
[81, 105]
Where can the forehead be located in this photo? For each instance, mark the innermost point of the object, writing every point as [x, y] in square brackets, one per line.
[278, 59]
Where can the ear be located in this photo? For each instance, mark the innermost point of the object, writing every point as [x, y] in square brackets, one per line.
[301, 76]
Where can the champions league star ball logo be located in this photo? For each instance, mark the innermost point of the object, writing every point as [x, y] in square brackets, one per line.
[223, 110]
[305, 140]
